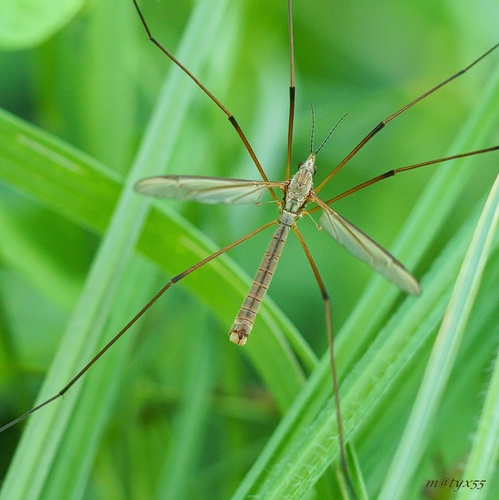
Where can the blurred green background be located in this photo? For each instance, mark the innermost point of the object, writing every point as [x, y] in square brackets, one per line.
[91, 78]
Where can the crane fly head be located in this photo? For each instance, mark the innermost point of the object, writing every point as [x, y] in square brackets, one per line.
[309, 164]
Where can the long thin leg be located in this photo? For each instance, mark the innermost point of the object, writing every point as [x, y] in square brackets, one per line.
[230, 116]
[382, 124]
[391, 173]
[174, 280]
[291, 89]
[329, 325]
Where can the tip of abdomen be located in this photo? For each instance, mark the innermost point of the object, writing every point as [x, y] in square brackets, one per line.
[239, 332]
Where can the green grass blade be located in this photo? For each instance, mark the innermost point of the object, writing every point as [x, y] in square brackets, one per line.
[191, 422]
[482, 460]
[444, 353]
[30, 474]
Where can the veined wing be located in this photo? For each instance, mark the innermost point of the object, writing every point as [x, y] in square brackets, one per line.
[366, 249]
[204, 189]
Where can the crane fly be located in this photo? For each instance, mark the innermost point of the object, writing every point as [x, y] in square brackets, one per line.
[296, 194]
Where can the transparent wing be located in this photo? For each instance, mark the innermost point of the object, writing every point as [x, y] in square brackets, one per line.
[366, 249]
[204, 189]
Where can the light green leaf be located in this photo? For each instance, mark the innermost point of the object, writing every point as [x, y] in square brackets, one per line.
[26, 23]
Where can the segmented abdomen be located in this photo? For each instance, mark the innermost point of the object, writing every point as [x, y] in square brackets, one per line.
[243, 323]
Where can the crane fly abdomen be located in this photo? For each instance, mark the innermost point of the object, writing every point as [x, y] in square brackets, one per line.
[241, 328]
[296, 197]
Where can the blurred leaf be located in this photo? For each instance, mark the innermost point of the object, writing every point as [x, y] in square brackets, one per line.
[26, 23]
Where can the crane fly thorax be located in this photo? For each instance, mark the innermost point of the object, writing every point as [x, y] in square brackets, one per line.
[300, 187]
